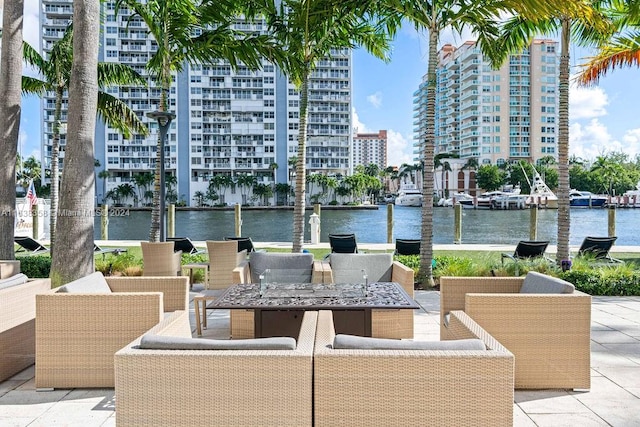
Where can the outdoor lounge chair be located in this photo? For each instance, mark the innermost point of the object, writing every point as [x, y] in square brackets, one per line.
[527, 249]
[30, 245]
[185, 245]
[545, 325]
[343, 243]
[598, 248]
[407, 247]
[116, 251]
[244, 243]
[159, 259]
[427, 385]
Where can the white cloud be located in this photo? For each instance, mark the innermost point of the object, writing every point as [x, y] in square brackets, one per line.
[358, 127]
[399, 149]
[591, 140]
[375, 99]
[587, 102]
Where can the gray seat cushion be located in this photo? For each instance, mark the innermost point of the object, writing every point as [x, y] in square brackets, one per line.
[15, 280]
[161, 342]
[348, 268]
[94, 283]
[283, 267]
[354, 342]
[538, 283]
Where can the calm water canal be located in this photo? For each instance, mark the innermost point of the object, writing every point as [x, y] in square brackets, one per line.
[370, 226]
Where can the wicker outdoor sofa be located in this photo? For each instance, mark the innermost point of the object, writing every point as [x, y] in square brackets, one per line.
[214, 387]
[17, 318]
[79, 331]
[413, 387]
[549, 333]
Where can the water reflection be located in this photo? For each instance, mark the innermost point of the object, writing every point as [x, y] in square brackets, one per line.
[370, 226]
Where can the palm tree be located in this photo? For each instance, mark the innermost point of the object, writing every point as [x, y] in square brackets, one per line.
[77, 186]
[10, 102]
[143, 180]
[199, 197]
[190, 31]
[622, 49]
[125, 191]
[308, 31]
[104, 176]
[517, 33]
[245, 182]
[56, 72]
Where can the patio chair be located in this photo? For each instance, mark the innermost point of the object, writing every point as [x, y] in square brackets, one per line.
[27, 244]
[349, 268]
[223, 259]
[407, 247]
[185, 245]
[598, 248]
[412, 383]
[527, 249]
[17, 318]
[214, 384]
[546, 328]
[343, 243]
[81, 325]
[159, 259]
[244, 243]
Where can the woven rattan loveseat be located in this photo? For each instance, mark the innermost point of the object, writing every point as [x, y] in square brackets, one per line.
[79, 331]
[17, 318]
[549, 333]
[212, 387]
[373, 387]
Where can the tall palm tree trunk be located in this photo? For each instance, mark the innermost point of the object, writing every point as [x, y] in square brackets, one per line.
[563, 146]
[55, 154]
[425, 274]
[10, 109]
[299, 205]
[77, 189]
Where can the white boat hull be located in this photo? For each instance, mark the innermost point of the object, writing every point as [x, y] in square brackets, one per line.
[412, 200]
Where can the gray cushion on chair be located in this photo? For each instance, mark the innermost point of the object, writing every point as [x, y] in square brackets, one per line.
[160, 342]
[14, 280]
[538, 283]
[94, 283]
[354, 342]
[284, 267]
[347, 268]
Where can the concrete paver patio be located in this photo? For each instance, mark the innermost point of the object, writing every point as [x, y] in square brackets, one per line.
[614, 398]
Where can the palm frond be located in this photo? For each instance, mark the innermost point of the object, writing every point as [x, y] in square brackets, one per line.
[33, 86]
[118, 115]
[621, 52]
[112, 74]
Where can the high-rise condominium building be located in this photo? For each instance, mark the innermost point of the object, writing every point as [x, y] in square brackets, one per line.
[228, 121]
[370, 148]
[494, 116]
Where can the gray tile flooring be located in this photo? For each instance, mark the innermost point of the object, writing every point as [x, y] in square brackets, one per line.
[614, 398]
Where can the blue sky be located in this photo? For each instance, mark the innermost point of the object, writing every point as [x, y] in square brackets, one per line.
[604, 118]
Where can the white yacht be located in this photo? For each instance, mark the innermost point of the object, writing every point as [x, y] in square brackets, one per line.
[409, 195]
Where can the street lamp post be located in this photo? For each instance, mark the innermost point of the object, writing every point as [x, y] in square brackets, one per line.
[164, 121]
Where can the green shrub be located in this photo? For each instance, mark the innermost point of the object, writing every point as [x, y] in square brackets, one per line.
[35, 266]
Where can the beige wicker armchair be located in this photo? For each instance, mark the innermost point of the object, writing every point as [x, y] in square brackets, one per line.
[549, 334]
[412, 387]
[215, 387]
[223, 259]
[17, 322]
[343, 268]
[77, 334]
[302, 266]
[159, 259]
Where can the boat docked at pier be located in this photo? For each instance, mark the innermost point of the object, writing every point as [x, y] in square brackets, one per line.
[409, 195]
[586, 199]
[541, 194]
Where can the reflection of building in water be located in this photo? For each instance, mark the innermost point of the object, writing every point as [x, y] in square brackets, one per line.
[24, 218]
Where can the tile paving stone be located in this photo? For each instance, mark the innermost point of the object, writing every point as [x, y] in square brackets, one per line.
[614, 398]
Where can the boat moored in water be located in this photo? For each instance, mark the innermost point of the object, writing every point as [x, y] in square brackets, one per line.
[409, 195]
[586, 199]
